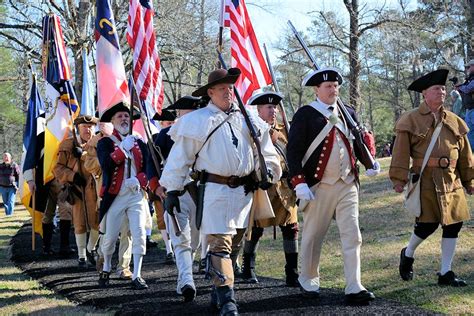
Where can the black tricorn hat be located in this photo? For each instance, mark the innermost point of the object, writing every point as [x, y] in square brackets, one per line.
[216, 77]
[186, 103]
[437, 77]
[319, 76]
[166, 115]
[265, 98]
[86, 119]
[119, 107]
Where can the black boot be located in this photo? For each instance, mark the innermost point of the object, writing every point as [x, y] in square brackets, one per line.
[406, 266]
[47, 237]
[291, 269]
[227, 301]
[234, 256]
[248, 267]
[65, 229]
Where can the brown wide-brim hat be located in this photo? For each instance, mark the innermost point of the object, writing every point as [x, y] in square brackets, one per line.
[437, 77]
[86, 119]
[216, 77]
[119, 107]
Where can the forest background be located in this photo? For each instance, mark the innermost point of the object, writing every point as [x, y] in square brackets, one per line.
[380, 49]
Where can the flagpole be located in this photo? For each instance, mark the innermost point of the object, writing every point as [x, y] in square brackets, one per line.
[220, 34]
[33, 221]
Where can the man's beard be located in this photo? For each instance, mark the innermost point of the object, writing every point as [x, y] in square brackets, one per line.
[122, 128]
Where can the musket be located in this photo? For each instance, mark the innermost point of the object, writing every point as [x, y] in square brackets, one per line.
[277, 89]
[365, 157]
[151, 146]
[264, 183]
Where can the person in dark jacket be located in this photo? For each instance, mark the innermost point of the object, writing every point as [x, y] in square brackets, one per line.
[9, 175]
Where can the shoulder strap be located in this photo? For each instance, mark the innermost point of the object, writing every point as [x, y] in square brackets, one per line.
[209, 136]
[434, 137]
[316, 141]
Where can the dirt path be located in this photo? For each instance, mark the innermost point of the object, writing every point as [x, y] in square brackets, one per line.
[270, 296]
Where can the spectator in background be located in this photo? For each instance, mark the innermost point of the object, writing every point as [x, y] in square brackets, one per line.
[387, 150]
[9, 174]
[457, 107]
[466, 90]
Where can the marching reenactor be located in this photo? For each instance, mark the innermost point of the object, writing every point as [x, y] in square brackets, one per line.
[186, 243]
[449, 170]
[79, 187]
[123, 195]
[323, 172]
[92, 165]
[215, 142]
[166, 119]
[281, 196]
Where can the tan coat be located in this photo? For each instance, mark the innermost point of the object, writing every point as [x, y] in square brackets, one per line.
[282, 198]
[64, 171]
[442, 195]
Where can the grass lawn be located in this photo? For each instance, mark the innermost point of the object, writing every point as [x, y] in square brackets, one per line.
[386, 228]
[19, 294]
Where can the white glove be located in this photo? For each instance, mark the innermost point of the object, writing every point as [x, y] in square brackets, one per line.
[133, 184]
[128, 142]
[303, 192]
[373, 172]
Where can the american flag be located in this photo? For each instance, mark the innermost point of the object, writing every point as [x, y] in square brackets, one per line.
[245, 51]
[146, 61]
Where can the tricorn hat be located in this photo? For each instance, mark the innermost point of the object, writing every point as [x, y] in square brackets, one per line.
[265, 98]
[437, 77]
[317, 77]
[186, 103]
[119, 107]
[216, 77]
[166, 115]
[86, 119]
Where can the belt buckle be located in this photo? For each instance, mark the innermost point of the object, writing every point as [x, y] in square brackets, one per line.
[444, 162]
[233, 182]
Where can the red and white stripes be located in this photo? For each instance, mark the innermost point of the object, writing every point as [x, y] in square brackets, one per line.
[245, 51]
[146, 62]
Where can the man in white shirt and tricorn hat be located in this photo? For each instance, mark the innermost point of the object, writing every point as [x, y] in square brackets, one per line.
[324, 175]
[123, 159]
[215, 141]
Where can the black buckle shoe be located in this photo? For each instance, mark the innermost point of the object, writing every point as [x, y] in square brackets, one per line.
[170, 259]
[406, 266]
[449, 278]
[104, 278]
[188, 292]
[150, 243]
[139, 284]
[82, 263]
[291, 278]
[91, 257]
[202, 266]
[229, 309]
[249, 276]
[361, 298]
[309, 294]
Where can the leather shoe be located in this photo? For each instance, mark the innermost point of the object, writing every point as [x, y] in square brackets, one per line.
[361, 298]
[449, 278]
[150, 243]
[406, 266]
[82, 263]
[170, 259]
[188, 292]
[125, 274]
[202, 266]
[139, 284]
[104, 278]
[309, 294]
